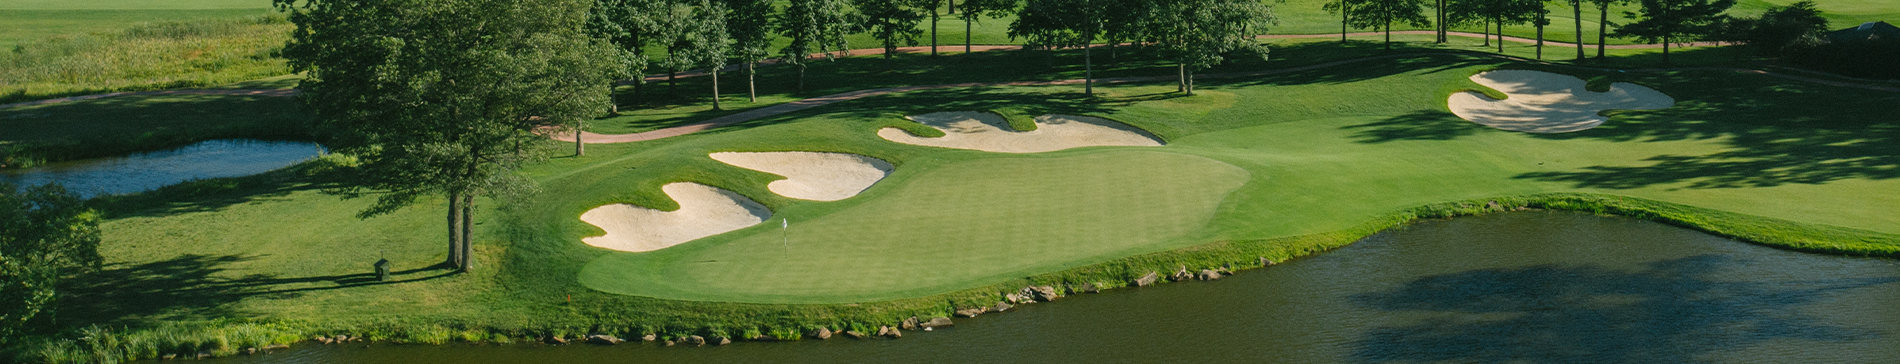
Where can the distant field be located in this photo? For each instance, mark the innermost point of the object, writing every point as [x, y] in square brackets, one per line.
[25, 20]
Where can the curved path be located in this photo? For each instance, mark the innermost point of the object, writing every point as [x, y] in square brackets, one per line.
[749, 115]
[238, 92]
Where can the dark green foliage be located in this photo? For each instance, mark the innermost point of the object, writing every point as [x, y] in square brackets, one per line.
[814, 26]
[1198, 34]
[439, 97]
[1674, 21]
[1777, 31]
[1382, 13]
[891, 22]
[46, 233]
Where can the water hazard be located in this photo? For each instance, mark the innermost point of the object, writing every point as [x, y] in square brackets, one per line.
[146, 171]
[1532, 287]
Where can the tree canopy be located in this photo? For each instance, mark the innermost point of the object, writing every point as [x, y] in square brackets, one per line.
[1198, 34]
[46, 232]
[443, 97]
[814, 26]
[1672, 21]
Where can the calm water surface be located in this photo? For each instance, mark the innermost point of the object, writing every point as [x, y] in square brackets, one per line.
[146, 171]
[1532, 287]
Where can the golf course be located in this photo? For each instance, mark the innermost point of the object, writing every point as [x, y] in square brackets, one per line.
[873, 190]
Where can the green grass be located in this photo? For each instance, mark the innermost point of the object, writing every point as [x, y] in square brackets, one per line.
[1321, 158]
[148, 56]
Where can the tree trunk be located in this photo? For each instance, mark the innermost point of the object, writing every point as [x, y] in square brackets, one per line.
[579, 147]
[1500, 35]
[1576, 13]
[1603, 25]
[1190, 81]
[671, 81]
[1342, 21]
[953, 7]
[455, 231]
[966, 36]
[468, 227]
[715, 79]
[751, 82]
[933, 32]
[1540, 41]
[1180, 85]
[1487, 33]
[1388, 34]
[801, 77]
[1441, 21]
[1088, 72]
[1665, 50]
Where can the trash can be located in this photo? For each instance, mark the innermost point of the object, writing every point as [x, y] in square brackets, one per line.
[382, 270]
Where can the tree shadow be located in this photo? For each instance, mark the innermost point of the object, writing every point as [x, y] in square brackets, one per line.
[1416, 125]
[194, 287]
[1673, 311]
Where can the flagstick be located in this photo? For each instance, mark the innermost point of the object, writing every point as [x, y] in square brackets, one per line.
[785, 235]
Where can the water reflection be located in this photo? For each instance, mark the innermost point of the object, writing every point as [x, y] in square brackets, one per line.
[146, 171]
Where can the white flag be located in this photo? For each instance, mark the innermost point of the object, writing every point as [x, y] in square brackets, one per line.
[784, 223]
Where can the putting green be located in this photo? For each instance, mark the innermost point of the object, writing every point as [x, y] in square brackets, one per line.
[957, 225]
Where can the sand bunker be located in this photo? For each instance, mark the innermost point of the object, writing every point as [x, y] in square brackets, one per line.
[704, 211]
[990, 132]
[1543, 102]
[813, 175]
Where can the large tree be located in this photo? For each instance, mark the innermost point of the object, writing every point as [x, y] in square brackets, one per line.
[1671, 21]
[974, 9]
[629, 25]
[1198, 34]
[891, 22]
[1603, 21]
[447, 97]
[1496, 13]
[46, 233]
[1779, 29]
[1064, 23]
[1345, 9]
[703, 40]
[814, 26]
[749, 23]
[1382, 13]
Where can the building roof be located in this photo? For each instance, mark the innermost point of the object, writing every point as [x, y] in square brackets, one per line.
[1877, 30]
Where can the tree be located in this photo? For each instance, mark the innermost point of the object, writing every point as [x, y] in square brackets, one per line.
[1603, 21]
[1669, 21]
[1382, 13]
[749, 24]
[1198, 34]
[892, 22]
[974, 9]
[703, 41]
[445, 97]
[814, 26]
[1345, 9]
[1540, 20]
[1576, 15]
[628, 25]
[46, 232]
[931, 5]
[1063, 23]
[1496, 12]
[1777, 30]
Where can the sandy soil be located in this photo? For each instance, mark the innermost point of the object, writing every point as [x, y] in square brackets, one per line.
[704, 211]
[813, 175]
[990, 132]
[1543, 102]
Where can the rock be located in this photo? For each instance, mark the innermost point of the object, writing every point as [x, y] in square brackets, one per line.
[882, 330]
[250, 351]
[1044, 293]
[764, 338]
[603, 340]
[971, 312]
[1012, 297]
[648, 338]
[556, 340]
[1180, 274]
[276, 347]
[854, 334]
[908, 324]
[168, 356]
[1000, 306]
[938, 322]
[1208, 275]
[822, 334]
[1147, 280]
[725, 340]
[695, 340]
[891, 332]
[342, 338]
[322, 339]
[1493, 206]
[1226, 269]
[669, 343]
[1090, 287]
[204, 355]
[1266, 262]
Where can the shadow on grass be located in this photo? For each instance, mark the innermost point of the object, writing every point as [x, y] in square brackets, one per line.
[193, 287]
[1673, 311]
[1417, 125]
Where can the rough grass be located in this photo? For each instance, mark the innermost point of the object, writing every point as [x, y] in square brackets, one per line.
[127, 124]
[149, 56]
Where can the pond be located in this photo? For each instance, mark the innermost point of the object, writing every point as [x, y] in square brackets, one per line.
[1528, 287]
[147, 171]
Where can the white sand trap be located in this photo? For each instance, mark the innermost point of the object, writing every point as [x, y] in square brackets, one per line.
[704, 211]
[813, 175]
[991, 133]
[1543, 102]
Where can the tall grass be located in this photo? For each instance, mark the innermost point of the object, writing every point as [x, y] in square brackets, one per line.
[147, 56]
[96, 344]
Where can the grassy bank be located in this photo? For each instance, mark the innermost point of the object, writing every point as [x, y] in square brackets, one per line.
[128, 124]
[147, 56]
[1329, 156]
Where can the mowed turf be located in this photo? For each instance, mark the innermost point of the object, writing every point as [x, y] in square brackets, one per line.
[947, 226]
